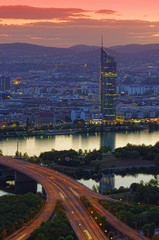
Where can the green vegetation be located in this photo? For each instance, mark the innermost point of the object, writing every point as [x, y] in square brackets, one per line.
[142, 211]
[57, 228]
[15, 211]
[149, 230]
[72, 157]
[136, 151]
[121, 189]
[65, 157]
[146, 193]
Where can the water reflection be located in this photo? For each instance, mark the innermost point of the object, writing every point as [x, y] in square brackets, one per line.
[116, 181]
[108, 139]
[107, 181]
[126, 181]
[36, 145]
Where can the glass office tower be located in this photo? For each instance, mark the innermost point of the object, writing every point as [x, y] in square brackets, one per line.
[108, 79]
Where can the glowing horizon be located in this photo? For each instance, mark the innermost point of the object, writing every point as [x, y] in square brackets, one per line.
[79, 22]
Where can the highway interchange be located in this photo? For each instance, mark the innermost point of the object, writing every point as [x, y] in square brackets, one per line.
[59, 186]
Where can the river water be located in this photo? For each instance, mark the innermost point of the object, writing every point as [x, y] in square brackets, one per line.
[36, 145]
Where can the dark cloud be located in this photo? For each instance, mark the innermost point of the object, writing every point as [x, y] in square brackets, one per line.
[27, 12]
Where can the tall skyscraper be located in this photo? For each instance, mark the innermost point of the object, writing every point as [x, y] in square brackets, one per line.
[108, 79]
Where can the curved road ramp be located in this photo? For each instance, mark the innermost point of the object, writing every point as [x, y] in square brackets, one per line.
[58, 186]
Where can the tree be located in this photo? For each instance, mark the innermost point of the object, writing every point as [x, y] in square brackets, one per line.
[94, 188]
[109, 149]
[41, 236]
[149, 229]
[61, 238]
[80, 151]
[25, 155]
[106, 149]
[127, 217]
[69, 237]
[134, 187]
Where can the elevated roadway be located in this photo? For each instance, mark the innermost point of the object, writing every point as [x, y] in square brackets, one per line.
[59, 186]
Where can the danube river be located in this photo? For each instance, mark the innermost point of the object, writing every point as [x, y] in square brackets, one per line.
[36, 145]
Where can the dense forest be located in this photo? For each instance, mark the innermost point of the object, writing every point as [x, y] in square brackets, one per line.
[142, 212]
[139, 151]
[15, 211]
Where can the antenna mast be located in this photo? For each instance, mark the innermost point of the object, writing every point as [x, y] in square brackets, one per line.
[102, 41]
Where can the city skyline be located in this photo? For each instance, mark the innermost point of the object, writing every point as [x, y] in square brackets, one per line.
[63, 24]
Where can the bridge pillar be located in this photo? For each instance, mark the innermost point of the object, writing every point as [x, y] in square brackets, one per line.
[6, 174]
[43, 193]
[24, 184]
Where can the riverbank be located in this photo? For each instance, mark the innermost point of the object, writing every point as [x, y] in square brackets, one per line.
[97, 173]
[73, 129]
[111, 162]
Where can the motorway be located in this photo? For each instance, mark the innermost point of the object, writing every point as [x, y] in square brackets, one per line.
[58, 186]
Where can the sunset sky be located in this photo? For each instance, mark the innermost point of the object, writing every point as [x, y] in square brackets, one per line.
[63, 23]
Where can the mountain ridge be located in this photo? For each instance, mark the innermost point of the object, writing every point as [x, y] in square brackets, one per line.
[26, 48]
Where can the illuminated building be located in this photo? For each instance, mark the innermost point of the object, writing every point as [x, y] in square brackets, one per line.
[108, 79]
[4, 83]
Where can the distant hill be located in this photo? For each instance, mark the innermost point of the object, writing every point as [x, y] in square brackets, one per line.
[20, 49]
[135, 48]
[73, 58]
[83, 48]
[32, 49]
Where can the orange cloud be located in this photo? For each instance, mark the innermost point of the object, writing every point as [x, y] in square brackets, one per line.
[36, 38]
[106, 11]
[4, 35]
[156, 35]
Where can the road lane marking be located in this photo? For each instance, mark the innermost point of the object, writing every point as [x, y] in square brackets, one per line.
[22, 237]
[88, 234]
[74, 192]
[62, 196]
